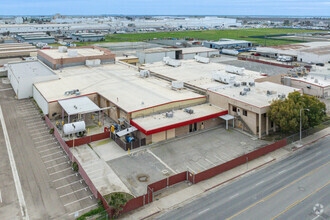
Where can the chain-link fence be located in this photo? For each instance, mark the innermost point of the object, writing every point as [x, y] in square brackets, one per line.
[307, 132]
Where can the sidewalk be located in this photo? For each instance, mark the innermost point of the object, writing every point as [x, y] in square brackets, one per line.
[195, 191]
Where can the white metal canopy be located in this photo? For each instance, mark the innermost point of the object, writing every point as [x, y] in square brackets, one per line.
[227, 118]
[78, 105]
[126, 131]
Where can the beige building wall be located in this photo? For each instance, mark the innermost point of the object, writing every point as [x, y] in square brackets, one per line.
[274, 79]
[313, 91]
[161, 136]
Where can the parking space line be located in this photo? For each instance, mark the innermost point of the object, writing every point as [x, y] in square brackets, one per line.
[60, 187]
[73, 192]
[5, 89]
[31, 119]
[36, 127]
[46, 145]
[78, 200]
[43, 136]
[52, 154]
[49, 149]
[64, 156]
[45, 140]
[57, 165]
[162, 162]
[69, 168]
[43, 132]
[0, 197]
[62, 178]
[17, 181]
[82, 209]
[36, 123]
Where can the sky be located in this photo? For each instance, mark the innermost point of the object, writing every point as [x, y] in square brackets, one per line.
[166, 7]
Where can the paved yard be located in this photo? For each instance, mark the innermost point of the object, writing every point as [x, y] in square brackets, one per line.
[195, 153]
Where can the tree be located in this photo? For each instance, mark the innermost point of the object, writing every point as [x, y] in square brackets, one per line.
[117, 201]
[286, 22]
[286, 113]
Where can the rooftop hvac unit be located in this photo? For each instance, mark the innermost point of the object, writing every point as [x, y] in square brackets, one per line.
[235, 70]
[144, 73]
[243, 93]
[62, 49]
[236, 84]
[269, 92]
[189, 110]
[177, 85]
[202, 59]
[252, 84]
[92, 63]
[316, 81]
[169, 114]
[247, 89]
[74, 127]
[223, 78]
[281, 96]
[243, 83]
[72, 53]
[171, 62]
[309, 86]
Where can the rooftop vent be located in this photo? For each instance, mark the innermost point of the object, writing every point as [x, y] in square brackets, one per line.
[309, 86]
[236, 84]
[243, 83]
[252, 84]
[243, 93]
[169, 114]
[269, 92]
[62, 49]
[247, 89]
[189, 110]
[144, 73]
[316, 81]
[281, 96]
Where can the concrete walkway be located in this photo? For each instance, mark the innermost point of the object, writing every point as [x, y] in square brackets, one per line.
[193, 192]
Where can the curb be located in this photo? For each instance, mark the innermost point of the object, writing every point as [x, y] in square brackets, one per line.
[148, 216]
[295, 149]
[219, 184]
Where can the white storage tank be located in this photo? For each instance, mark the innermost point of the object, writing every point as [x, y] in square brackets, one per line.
[62, 49]
[75, 127]
[177, 84]
[235, 70]
[230, 52]
[202, 59]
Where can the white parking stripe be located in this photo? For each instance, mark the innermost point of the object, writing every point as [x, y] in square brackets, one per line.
[162, 162]
[43, 132]
[49, 149]
[69, 168]
[78, 200]
[64, 156]
[45, 140]
[57, 165]
[62, 178]
[0, 197]
[60, 187]
[82, 209]
[43, 136]
[46, 145]
[5, 89]
[73, 192]
[17, 181]
[201, 212]
[59, 152]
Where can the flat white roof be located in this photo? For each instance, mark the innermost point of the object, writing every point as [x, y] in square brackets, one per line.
[78, 105]
[82, 52]
[189, 50]
[258, 96]
[29, 69]
[159, 122]
[199, 74]
[115, 82]
[230, 41]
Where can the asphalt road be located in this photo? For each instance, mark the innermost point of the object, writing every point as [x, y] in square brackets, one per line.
[288, 189]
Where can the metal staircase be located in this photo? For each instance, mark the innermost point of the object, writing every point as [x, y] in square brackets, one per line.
[244, 124]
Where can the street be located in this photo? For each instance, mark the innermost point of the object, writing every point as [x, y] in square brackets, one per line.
[288, 189]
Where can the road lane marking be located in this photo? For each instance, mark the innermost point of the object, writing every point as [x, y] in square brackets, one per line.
[82, 209]
[17, 181]
[233, 196]
[162, 162]
[205, 210]
[261, 182]
[277, 191]
[283, 171]
[299, 201]
[73, 192]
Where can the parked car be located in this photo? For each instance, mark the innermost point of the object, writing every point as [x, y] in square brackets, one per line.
[257, 54]
[319, 64]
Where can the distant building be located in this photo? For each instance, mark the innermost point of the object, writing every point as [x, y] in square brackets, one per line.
[227, 43]
[35, 38]
[87, 37]
[19, 20]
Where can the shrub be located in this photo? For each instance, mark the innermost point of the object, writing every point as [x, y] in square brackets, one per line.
[75, 166]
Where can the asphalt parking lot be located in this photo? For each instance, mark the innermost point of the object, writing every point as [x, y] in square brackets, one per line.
[51, 189]
[195, 153]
